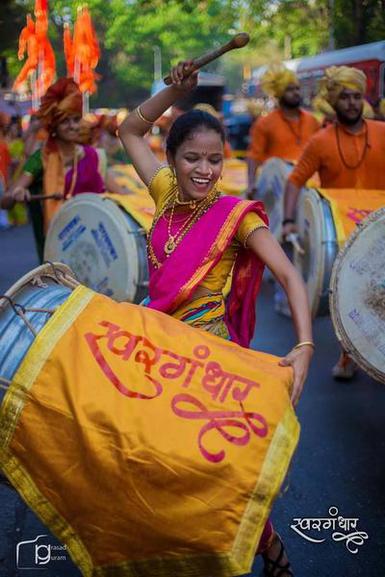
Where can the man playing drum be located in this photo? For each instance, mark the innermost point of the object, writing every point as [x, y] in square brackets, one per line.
[285, 131]
[347, 154]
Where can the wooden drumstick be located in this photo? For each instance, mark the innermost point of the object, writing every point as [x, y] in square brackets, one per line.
[238, 41]
[294, 239]
[45, 197]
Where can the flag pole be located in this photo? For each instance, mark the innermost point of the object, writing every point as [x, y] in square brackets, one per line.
[86, 102]
[35, 102]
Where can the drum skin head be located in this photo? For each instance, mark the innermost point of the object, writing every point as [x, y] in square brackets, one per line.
[96, 239]
[319, 240]
[357, 297]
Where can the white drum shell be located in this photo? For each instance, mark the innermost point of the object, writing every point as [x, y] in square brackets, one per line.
[271, 185]
[357, 295]
[318, 237]
[102, 244]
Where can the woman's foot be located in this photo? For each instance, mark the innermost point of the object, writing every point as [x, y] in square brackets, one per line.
[275, 560]
[345, 368]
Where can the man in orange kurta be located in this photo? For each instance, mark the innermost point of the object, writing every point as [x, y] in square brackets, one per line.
[349, 153]
[284, 132]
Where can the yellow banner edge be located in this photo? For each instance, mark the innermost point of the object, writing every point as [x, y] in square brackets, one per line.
[340, 231]
[10, 412]
[273, 473]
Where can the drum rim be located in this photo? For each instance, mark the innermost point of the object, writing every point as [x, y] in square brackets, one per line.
[338, 325]
[57, 271]
[115, 214]
[320, 297]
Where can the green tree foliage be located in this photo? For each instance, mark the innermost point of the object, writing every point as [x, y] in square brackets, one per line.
[129, 31]
[358, 21]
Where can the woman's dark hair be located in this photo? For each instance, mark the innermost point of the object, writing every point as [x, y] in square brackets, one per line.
[187, 124]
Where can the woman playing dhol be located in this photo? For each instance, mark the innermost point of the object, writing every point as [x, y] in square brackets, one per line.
[62, 167]
[199, 238]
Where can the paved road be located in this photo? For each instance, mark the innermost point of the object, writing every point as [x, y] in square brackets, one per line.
[339, 462]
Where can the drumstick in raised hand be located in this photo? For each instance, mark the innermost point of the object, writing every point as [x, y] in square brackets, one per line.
[56, 196]
[294, 239]
[238, 41]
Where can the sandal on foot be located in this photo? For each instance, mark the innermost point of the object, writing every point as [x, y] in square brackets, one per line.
[275, 567]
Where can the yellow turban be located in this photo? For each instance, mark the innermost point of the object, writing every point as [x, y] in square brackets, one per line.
[276, 79]
[368, 111]
[322, 106]
[381, 107]
[339, 77]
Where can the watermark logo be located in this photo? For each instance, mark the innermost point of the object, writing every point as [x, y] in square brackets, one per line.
[37, 553]
[343, 529]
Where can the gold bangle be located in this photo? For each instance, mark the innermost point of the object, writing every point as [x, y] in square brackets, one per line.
[140, 114]
[304, 344]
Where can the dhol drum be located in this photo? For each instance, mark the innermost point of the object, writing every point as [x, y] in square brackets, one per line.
[357, 295]
[103, 245]
[24, 310]
[82, 405]
[318, 239]
[271, 184]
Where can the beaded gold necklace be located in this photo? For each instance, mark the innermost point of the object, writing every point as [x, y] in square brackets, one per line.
[174, 239]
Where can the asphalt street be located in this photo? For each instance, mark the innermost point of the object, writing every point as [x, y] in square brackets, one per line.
[338, 469]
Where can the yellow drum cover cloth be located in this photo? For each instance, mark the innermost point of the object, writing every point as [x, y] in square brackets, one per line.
[140, 206]
[234, 180]
[126, 175]
[350, 206]
[148, 447]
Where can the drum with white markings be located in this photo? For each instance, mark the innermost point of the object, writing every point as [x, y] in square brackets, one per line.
[102, 244]
[357, 295]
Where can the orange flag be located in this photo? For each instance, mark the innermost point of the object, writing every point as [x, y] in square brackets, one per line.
[83, 51]
[40, 55]
[27, 44]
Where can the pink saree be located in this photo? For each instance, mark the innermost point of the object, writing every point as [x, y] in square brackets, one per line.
[175, 281]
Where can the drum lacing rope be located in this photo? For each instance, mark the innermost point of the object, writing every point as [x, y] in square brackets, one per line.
[61, 276]
[54, 269]
[20, 311]
[6, 385]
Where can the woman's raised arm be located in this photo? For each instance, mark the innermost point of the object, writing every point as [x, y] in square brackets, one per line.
[138, 122]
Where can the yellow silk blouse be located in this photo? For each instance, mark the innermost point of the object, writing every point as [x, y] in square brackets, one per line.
[161, 189]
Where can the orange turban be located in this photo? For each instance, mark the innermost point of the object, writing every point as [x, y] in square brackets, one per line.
[62, 99]
[339, 77]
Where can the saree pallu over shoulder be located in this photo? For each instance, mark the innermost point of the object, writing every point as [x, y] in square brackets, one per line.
[174, 282]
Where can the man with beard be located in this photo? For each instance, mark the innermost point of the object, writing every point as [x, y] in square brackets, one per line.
[346, 154]
[285, 131]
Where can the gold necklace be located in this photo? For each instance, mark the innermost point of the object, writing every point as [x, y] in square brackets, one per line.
[171, 241]
[202, 209]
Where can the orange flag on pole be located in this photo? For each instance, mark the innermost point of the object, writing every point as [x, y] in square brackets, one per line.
[40, 66]
[82, 52]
